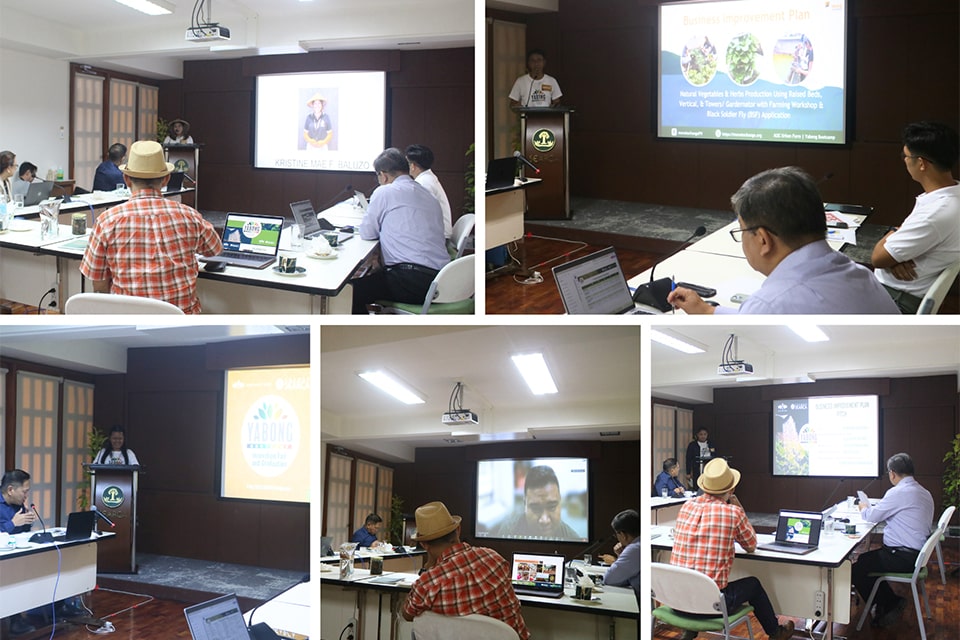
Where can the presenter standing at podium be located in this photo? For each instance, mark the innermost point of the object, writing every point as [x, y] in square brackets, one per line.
[698, 452]
[115, 450]
[535, 88]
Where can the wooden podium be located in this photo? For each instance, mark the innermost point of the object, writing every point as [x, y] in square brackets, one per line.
[545, 132]
[186, 158]
[113, 490]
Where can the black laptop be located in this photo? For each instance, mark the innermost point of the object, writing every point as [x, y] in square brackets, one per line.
[79, 526]
[37, 192]
[595, 284]
[798, 532]
[501, 173]
[175, 183]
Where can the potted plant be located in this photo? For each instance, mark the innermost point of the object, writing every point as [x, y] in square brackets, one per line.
[162, 128]
[469, 205]
[951, 480]
[396, 520]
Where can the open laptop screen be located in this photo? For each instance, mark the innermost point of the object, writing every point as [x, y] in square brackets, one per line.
[594, 284]
[252, 233]
[217, 619]
[533, 571]
[799, 527]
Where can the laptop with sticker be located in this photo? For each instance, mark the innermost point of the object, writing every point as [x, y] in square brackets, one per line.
[37, 192]
[249, 240]
[798, 532]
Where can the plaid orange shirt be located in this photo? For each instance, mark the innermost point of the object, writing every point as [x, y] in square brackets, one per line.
[467, 580]
[148, 247]
[705, 532]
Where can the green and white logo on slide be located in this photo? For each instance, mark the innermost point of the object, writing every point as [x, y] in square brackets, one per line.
[271, 436]
[112, 497]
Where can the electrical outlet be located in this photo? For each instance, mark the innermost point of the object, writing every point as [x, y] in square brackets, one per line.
[818, 604]
[351, 628]
[53, 301]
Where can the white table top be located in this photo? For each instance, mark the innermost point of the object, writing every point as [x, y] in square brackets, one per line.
[96, 199]
[25, 547]
[289, 612]
[659, 502]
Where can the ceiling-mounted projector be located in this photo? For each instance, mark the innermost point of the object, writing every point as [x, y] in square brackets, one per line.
[464, 416]
[735, 369]
[209, 33]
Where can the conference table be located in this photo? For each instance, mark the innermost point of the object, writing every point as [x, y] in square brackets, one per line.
[288, 614]
[613, 613]
[664, 511]
[794, 583]
[31, 265]
[33, 574]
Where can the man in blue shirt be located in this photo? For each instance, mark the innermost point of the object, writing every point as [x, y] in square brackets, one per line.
[624, 570]
[667, 480]
[907, 510]
[15, 517]
[366, 536]
[108, 174]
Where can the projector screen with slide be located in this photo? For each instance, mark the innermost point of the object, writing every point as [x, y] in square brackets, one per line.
[753, 70]
[836, 436]
[320, 121]
[266, 434]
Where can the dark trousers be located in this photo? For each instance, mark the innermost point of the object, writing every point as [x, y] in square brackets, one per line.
[883, 560]
[906, 302]
[749, 590]
[392, 283]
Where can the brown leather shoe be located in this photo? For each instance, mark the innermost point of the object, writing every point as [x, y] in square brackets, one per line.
[784, 632]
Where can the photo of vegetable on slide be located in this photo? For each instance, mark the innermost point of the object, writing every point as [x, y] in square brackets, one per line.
[699, 61]
[742, 55]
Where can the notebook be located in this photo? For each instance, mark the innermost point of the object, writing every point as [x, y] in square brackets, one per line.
[313, 226]
[249, 240]
[79, 526]
[217, 619]
[595, 284]
[501, 172]
[37, 192]
[798, 532]
[537, 575]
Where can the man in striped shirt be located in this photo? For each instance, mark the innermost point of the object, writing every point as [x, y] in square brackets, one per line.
[148, 245]
[459, 579]
[705, 532]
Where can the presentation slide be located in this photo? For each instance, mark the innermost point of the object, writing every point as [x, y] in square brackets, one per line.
[320, 121]
[753, 70]
[837, 436]
[266, 435]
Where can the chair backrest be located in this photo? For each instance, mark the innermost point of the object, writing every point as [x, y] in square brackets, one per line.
[454, 282]
[101, 303]
[461, 231]
[931, 302]
[926, 551]
[685, 589]
[945, 519]
[432, 626]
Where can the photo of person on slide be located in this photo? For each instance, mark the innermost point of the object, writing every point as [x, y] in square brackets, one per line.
[318, 127]
[802, 62]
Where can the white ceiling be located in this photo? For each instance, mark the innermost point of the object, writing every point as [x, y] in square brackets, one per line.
[597, 371]
[103, 349]
[779, 355]
[105, 34]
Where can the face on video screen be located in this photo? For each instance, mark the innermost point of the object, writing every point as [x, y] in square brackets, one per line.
[542, 509]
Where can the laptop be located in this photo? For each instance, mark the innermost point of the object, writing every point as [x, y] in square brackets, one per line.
[595, 284]
[217, 619]
[798, 532]
[249, 240]
[501, 173]
[176, 181]
[79, 526]
[361, 200]
[537, 575]
[313, 226]
[37, 192]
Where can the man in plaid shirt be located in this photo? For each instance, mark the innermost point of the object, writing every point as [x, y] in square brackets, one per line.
[148, 245]
[459, 579]
[705, 532]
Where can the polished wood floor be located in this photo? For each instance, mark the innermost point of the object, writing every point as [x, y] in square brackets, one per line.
[944, 604]
[507, 293]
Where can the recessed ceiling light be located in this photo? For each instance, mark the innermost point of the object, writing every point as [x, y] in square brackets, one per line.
[149, 7]
[391, 386]
[534, 370]
[809, 332]
[686, 345]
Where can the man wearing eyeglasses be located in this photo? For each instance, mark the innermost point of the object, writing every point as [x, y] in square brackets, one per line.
[909, 258]
[783, 232]
[542, 506]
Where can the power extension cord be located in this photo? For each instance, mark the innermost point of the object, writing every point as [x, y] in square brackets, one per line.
[106, 628]
[535, 278]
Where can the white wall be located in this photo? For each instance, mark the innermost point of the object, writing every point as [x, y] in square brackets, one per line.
[34, 109]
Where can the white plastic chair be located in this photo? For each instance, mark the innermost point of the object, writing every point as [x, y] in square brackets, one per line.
[461, 232]
[684, 590]
[451, 292]
[433, 626]
[111, 303]
[931, 302]
[942, 528]
[915, 580]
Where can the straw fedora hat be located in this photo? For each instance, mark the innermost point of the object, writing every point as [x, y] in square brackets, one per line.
[434, 521]
[718, 478]
[314, 98]
[146, 161]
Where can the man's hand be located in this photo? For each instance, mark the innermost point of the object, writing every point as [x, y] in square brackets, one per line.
[607, 558]
[678, 491]
[617, 548]
[904, 270]
[24, 517]
[689, 301]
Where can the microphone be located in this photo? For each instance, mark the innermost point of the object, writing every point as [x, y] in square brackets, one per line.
[826, 176]
[66, 198]
[832, 493]
[336, 198]
[261, 630]
[596, 545]
[44, 536]
[186, 176]
[654, 293]
[519, 156]
[101, 516]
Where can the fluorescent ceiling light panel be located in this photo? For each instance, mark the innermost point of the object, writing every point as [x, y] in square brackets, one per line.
[393, 387]
[686, 345]
[149, 7]
[534, 370]
[809, 332]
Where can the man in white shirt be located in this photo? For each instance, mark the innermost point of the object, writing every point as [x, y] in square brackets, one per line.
[535, 89]
[909, 258]
[420, 158]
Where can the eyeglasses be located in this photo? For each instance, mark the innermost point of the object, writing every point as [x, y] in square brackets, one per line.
[737, 234]
[904, 156]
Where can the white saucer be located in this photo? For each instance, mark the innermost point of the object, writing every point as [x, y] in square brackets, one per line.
[17, 227]
[300, 272]
[317, 256]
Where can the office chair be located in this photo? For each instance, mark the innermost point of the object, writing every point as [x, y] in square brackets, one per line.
[915, 580]
[462, 228]
[942, 528]
[931, 302]
[104, 303]
[681, 589]
[433, 626]
[451, 292]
